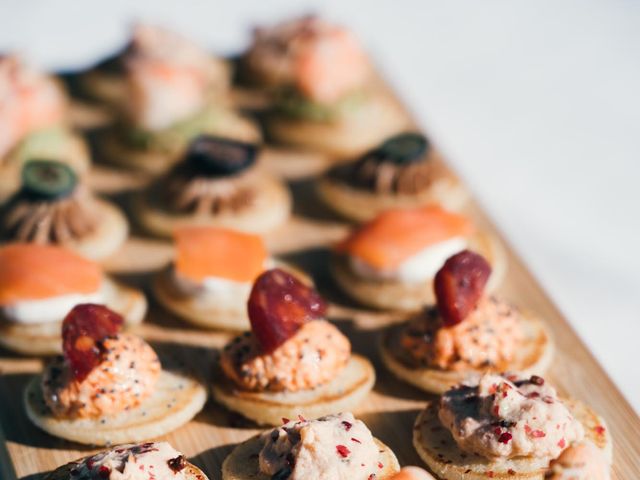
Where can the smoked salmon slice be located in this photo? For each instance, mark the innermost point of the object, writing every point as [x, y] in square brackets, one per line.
[35, 272]
[218, 252]
[397, 234]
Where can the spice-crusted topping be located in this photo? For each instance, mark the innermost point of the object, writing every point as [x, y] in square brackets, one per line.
[401, 166]
[506, 417]
[125, 377]
[279, 305]
[459, 285]
[151, 460]
[60, 221]
[311, 357]
[490, 337]
[321, 449]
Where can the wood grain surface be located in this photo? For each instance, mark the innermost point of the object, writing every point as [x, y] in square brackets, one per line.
[27, 453]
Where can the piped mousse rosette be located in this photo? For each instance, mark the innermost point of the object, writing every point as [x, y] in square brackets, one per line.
[109, 386]
[390, 262]
[209, 282]
[170, 53]
[167, 103]
[144, 461]
[333, 447]
[403, 171]
[219, 182]
[33, 123]
[53, 206]
[39, 284]
[511, 426]
[293, 361]
[469, 332]
[324, 98]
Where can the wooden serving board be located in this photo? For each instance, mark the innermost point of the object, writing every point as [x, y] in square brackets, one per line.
[27, 453]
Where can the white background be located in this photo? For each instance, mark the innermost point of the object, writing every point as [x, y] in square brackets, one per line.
[537, 104]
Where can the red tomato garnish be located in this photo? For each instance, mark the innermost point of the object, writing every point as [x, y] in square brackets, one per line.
[459, 284]
[279, 305]
[82, 330]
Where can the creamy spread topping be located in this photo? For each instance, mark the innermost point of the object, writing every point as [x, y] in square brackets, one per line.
[418, 268]
[489, 337]
[223, 292]
[29, 101]
[61, 221]
[168, 77]
[186, 190]
[506, 417]
[581, 461]
[314, 355]
[146, 461]
[124, 378]
[335, 447]
[321, 61]
[47, 310]
[217, 289]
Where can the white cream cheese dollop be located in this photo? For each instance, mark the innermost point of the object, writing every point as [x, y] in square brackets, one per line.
[157, 460]
[223, 292]
[418, 268]
[48, 310]
[335, 447]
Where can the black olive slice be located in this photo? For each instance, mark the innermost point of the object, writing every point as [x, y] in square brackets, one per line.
[403, 148]
[47, 180]
[216, 156]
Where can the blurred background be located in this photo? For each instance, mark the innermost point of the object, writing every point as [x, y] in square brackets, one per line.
[536, 105]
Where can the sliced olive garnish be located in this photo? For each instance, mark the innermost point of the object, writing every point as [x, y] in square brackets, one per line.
[218, 156]
[403, 148]
[47, 180]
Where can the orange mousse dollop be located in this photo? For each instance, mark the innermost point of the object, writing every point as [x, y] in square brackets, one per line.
[217, 252]
[397, 234]
[489, 337]
[35, 272]
[124, 378]
[314, 355]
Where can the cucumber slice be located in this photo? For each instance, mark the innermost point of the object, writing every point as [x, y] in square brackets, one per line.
[47, 180]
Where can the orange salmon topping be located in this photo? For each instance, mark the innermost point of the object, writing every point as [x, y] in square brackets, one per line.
[34, 272]
[217, 252]
[397, 234]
